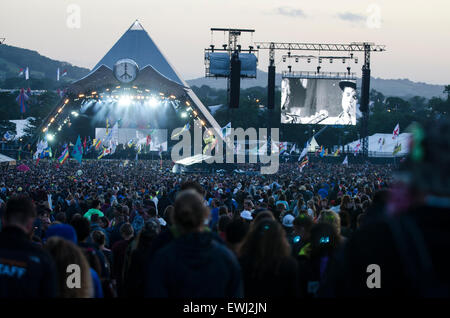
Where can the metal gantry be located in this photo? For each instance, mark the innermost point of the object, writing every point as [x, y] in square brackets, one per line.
[351, 48]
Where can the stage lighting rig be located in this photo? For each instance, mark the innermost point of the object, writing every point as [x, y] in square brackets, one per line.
[351, 49]
[233, 61]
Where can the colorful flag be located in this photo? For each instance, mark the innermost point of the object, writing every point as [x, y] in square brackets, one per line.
[292, 149]
[64, 156]
[20, 72]
[322, 151]
[226, 130]
[149, 140]
[397, 149]
[356, 149]
[84, 143]
[8, 136]
[97, 143]
[77, 151]
[21, 99]
[130, 143]
[396, 132]
[304, 151]
[304, 162]
[337, 152]
[64, 73]
[185, 128]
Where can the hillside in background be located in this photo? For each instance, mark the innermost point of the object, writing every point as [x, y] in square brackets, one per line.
[12, 59]
[403, 88]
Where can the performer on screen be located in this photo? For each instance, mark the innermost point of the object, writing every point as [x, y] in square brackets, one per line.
[348, 114]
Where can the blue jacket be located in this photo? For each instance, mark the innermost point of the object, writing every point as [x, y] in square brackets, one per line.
[194, 265]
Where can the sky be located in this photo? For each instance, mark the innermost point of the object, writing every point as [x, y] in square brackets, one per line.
[416, 32]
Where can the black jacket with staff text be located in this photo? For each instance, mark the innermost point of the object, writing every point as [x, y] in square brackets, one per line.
[26, 271]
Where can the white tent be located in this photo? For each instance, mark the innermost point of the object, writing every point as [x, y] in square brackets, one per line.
[378, 149]
[313, 145]
[5, 160]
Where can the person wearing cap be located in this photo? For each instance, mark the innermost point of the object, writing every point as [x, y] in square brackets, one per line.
[246, 215]
[288, 225]
[348, 103]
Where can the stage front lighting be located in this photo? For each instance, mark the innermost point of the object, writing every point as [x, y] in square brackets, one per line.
[153, 102]
[124, 101]
[75, 114]
[184, 114]
[50, 137]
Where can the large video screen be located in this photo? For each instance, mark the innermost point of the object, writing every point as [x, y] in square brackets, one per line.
[318, 101]
[158, 137]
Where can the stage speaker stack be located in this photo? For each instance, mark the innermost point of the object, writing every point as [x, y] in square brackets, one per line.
[365, 90]
[235, 81]
[271, 87]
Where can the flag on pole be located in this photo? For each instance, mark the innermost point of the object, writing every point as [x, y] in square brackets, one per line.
[226, 130]
[149, 140]
[84, 143]
[337, 152]
[27, 74]
[345, 162]
[304, 151]
[356, 149]
[107, 125]
[77, 151]
[8, 136]
[396, 132]
[64, 73]
[105, 151]
[130, 143]
[21, 100]
[64, 156]
[57, 75]
[97, 143]
[304, 162]
[21, 71]
[322, 151]
[292, 149]
[185, 128]
[397, 149]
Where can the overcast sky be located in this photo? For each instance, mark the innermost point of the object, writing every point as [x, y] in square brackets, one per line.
[416, 32]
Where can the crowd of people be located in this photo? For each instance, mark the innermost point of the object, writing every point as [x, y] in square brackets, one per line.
[135, 229]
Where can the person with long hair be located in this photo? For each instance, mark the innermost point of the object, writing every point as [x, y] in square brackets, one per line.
[65, 253]
[268, 268]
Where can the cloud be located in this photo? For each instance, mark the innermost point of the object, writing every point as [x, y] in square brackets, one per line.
[291, 12]
[351, 17]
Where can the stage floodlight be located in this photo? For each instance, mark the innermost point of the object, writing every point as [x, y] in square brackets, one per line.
[124, 101]
[49, 137]
[75, 114]
[153, 102]
[183, 114]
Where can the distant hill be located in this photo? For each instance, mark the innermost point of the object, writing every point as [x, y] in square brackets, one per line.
[14, 58]
[389, 87]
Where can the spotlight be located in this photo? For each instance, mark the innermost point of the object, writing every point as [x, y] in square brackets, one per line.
[183, 114]
[296, 59]
[356, 60]
[331, 61]
[124, 100]
[50, 137]
[153, 102]
[75, 114]
[308, 60]
[284, 59]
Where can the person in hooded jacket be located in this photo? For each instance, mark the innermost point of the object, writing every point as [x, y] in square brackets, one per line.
[193, 264]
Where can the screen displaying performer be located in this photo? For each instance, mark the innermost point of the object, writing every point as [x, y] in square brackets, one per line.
[318, 101]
